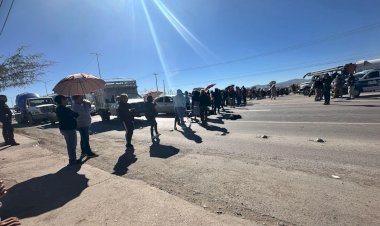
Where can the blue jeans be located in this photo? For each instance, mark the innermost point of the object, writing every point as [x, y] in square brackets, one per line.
[71, 142]
[179, 113]
[85, 140]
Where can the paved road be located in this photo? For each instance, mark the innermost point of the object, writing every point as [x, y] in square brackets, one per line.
[226, 168]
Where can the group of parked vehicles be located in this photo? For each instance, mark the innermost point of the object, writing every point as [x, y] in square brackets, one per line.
[366, 74]
[30, 108]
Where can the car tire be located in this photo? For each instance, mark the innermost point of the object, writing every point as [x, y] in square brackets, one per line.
[30, 120]
[356, 93]
[306, 92]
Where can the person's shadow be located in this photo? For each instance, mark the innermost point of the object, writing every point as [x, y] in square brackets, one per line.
[158, 150]
[190, 135]
[209, 127]
[43, 194]
[124, 161]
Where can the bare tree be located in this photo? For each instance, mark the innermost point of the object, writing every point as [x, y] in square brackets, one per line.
[271, 83]
[19, 70]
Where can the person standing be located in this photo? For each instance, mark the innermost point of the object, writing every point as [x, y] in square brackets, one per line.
[6, 120]
[179, 108]
[217, 101]
[83, 108]
[232, 96]
[150, 115]
[273, 91]
[127, 118]
[67, 127]
[204, 102]
[187, 100]
[327, 88]
[244, 94]
[195, 108]
[318, 87]
[351, 87]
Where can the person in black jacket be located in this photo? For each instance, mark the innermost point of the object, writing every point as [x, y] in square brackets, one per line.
[327, 88]
[150, 114]
[127, 118]
[6, 120]
[204, 102]
[67, 127]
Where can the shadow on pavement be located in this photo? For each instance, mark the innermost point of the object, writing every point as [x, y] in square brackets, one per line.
[190, 135]
[209, 127]
[215, 120]
[114, 125]
[4, 146]
[43, 194]
[124, 161]
[158, 150]
[361, 105]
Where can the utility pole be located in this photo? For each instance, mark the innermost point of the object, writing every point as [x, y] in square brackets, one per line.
[45, 82]
[97, 59]
[155, 75]
[163, 82]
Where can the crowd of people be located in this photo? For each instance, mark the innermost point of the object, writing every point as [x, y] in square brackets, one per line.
[322, 85]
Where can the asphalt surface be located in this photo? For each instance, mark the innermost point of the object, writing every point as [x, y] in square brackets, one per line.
[226, 167]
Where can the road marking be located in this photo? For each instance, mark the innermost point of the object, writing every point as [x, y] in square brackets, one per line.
[325, 123]
[254, 110]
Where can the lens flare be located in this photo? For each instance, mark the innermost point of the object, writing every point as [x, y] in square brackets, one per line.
[157, 44]
[198, 47]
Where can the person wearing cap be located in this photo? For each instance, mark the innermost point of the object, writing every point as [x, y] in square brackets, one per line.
[67, 127]
[127, 118]
[6, 120]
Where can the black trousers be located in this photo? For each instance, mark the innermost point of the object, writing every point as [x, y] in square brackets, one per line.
[8, 132]
[129, 127]
[153, 124]
[326, 95]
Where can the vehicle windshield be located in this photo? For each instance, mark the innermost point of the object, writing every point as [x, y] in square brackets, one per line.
[41, 101]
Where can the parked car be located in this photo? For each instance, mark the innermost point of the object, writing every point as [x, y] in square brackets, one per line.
[165, 104]
[305, 88]
[367, 81]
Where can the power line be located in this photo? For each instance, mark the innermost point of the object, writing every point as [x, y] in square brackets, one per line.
[281, 50]
[270, 71]
[1, 3]
[6, 19]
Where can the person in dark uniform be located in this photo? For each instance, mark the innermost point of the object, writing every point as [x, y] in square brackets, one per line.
[327, 88]
[127, 118]
[6, 120]
[150, 114]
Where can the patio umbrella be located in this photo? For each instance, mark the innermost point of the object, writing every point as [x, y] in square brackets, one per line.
[210, 86]
[79, 84]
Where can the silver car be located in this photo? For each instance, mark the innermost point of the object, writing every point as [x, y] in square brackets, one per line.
[165, 104]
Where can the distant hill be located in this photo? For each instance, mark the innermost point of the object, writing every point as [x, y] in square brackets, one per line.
[285, 83]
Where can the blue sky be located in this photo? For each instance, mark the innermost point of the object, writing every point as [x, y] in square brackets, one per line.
[178, 39]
